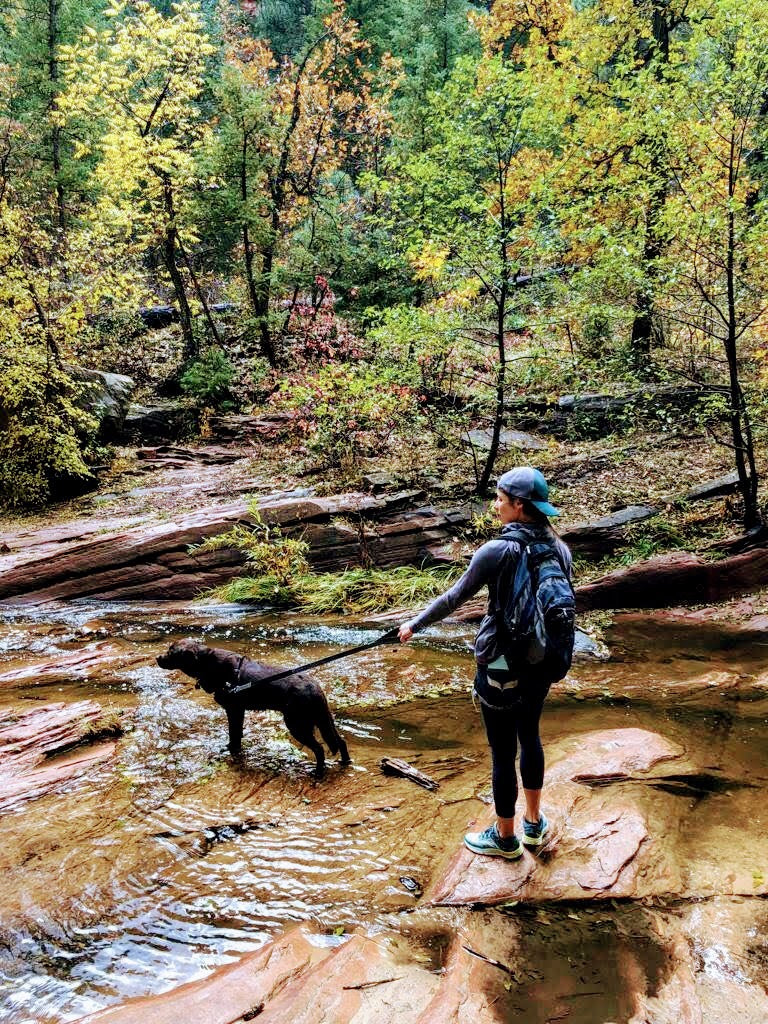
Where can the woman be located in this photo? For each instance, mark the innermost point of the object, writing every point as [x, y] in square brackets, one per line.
[511, 697]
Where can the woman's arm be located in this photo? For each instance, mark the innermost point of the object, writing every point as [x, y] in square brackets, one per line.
[484, 566]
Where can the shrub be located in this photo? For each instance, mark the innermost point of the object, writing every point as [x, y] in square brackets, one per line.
[208, 379]
[44, 436]
[345, 411]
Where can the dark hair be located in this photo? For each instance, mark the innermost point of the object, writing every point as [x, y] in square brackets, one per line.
[537, 516]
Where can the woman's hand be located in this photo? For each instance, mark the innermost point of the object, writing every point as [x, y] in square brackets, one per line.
[405, 633]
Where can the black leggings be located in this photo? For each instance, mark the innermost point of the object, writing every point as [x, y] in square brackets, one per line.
[504, 727]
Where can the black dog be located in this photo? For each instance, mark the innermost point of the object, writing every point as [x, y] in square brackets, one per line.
[299, 697]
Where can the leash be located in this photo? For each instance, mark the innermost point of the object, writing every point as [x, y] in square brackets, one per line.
[390, 637]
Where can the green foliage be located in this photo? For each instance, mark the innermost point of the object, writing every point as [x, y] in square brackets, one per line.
[282, 576]
[43, 433]
[354, 591]
[279, 560]
[208, 380]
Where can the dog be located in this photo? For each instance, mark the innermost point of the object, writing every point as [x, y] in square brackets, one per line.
[300, 697]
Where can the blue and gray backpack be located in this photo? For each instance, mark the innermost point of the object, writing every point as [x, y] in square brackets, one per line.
[539, 611]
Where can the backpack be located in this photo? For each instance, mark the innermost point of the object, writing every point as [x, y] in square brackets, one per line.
[539, 611]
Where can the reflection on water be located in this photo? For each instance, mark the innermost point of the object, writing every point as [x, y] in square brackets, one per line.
[175, 858]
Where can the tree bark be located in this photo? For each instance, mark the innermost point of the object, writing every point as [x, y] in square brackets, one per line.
[169, 253]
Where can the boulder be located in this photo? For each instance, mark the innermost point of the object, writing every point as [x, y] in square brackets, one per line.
[163, 421]
[106, 396]
[30, 740]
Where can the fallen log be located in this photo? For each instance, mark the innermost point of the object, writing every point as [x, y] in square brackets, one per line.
[396, 766]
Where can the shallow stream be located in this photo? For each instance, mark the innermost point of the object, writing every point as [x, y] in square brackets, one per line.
[173, 858]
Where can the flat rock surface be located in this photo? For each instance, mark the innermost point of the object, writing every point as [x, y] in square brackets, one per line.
[600, 846]
[100, 657]
[230, 992]
[29, 739]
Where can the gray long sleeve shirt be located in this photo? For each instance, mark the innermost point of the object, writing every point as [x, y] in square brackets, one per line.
[493, 565]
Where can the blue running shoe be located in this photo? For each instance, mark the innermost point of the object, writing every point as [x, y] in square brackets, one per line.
[535, 834]
[491, 844]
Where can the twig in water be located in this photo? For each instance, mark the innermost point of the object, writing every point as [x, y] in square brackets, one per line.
[494, 963]
[369, 984]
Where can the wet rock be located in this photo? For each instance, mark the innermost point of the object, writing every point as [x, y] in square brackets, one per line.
[300, 977]
[152, 560]
[106, 658]
[209, 455]
[29, 740]
[599, 848]
[504, 968]
[722, 944]
[229, 993]
[163, 421]
[676, 577]
[361, 983]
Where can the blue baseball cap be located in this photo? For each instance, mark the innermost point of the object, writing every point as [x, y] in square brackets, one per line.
[529, 483]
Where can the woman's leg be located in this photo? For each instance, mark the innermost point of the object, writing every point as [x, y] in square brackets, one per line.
[502, 739]
[531, 753]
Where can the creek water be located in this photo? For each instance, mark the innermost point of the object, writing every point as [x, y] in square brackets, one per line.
[172, 858]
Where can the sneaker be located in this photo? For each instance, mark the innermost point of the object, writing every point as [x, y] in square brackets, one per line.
[534, 834]
[491, 844]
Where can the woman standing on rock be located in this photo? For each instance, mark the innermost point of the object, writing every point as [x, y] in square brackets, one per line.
[511, 694]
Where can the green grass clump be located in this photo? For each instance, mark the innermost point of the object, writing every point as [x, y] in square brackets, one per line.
[358, 591]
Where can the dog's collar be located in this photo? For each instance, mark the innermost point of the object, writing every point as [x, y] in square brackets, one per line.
[235, 676]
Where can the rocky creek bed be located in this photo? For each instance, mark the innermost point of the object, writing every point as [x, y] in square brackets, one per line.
[148, 876]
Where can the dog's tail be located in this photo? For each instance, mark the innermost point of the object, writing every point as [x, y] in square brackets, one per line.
[330, 734]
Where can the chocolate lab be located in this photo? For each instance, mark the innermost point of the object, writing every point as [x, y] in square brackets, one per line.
[299, 697]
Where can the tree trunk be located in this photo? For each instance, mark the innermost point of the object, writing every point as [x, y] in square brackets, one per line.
[53, 76]
[743, 450]
[498, 419]
[169, 253]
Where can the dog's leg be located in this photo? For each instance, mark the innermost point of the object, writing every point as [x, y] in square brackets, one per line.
[330, 733]
[304, 733]
[235, 718]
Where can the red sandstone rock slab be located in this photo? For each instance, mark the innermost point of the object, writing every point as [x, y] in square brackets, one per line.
[153, 559]
[600, 846]
[68, 665]
[362, 983]
[675, 577]
[29, 739]
[228, 993]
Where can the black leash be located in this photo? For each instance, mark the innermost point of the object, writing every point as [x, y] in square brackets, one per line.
[390, 637]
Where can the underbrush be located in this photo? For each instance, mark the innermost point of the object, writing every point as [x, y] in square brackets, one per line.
[283, 577]
[354, 591]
